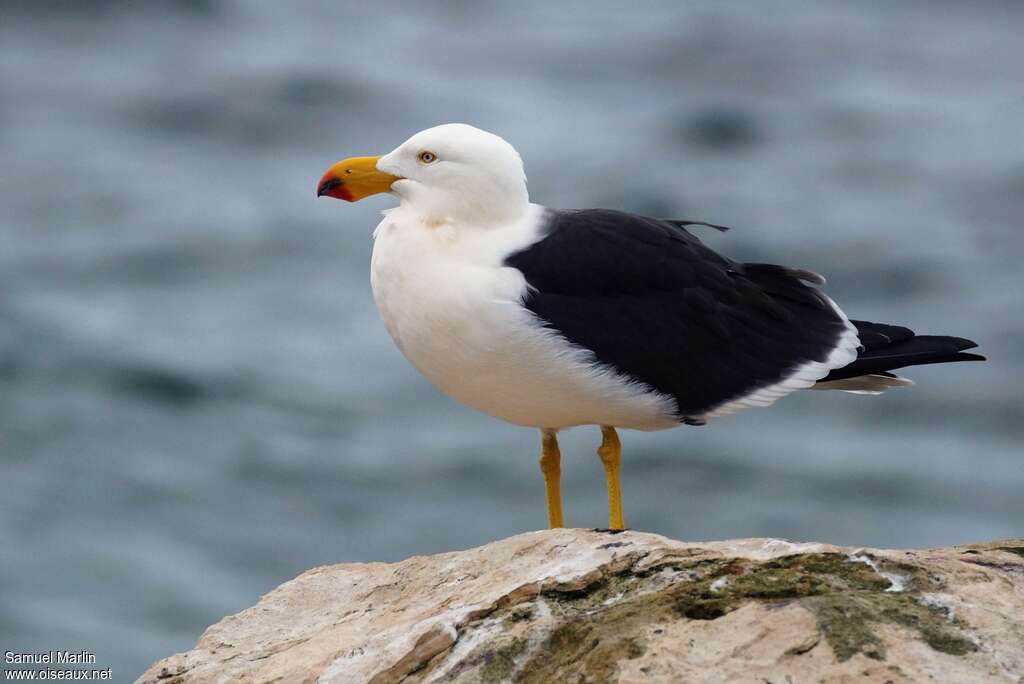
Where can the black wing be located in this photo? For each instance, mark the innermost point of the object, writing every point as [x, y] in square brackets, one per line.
[652, 301]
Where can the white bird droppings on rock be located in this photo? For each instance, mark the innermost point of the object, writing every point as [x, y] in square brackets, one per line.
[898, 582]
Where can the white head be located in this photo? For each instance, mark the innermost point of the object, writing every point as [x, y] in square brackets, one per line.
[453, 172]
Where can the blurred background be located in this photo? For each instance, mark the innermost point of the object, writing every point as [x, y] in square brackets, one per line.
[198, 401]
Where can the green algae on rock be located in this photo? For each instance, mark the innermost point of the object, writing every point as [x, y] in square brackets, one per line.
[847, 597]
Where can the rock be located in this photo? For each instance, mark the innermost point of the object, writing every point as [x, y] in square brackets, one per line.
[591, 606]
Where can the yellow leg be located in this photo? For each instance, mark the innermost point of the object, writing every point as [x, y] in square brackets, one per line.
[610, 452]
[550, 460]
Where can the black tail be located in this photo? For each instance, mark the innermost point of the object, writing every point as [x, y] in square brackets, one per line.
[888, 347]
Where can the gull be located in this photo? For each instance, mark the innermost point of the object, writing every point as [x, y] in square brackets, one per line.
[552, 319]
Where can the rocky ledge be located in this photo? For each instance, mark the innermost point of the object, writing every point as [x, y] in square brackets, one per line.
[591, 606]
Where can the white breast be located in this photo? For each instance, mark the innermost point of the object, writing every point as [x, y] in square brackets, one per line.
[455, 312]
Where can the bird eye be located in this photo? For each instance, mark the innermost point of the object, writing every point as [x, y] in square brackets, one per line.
[427, 157]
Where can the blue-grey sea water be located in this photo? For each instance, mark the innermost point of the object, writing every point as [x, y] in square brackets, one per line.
[198, 401]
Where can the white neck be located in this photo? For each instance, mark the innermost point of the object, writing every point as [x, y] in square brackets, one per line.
[488, 203]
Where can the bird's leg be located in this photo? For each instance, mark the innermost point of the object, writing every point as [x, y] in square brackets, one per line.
[550, 460]
[610, 452]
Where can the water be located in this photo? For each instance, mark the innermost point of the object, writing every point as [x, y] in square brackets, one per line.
[198, 402]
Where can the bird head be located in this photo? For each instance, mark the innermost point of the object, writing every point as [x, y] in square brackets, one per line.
[453, 172]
